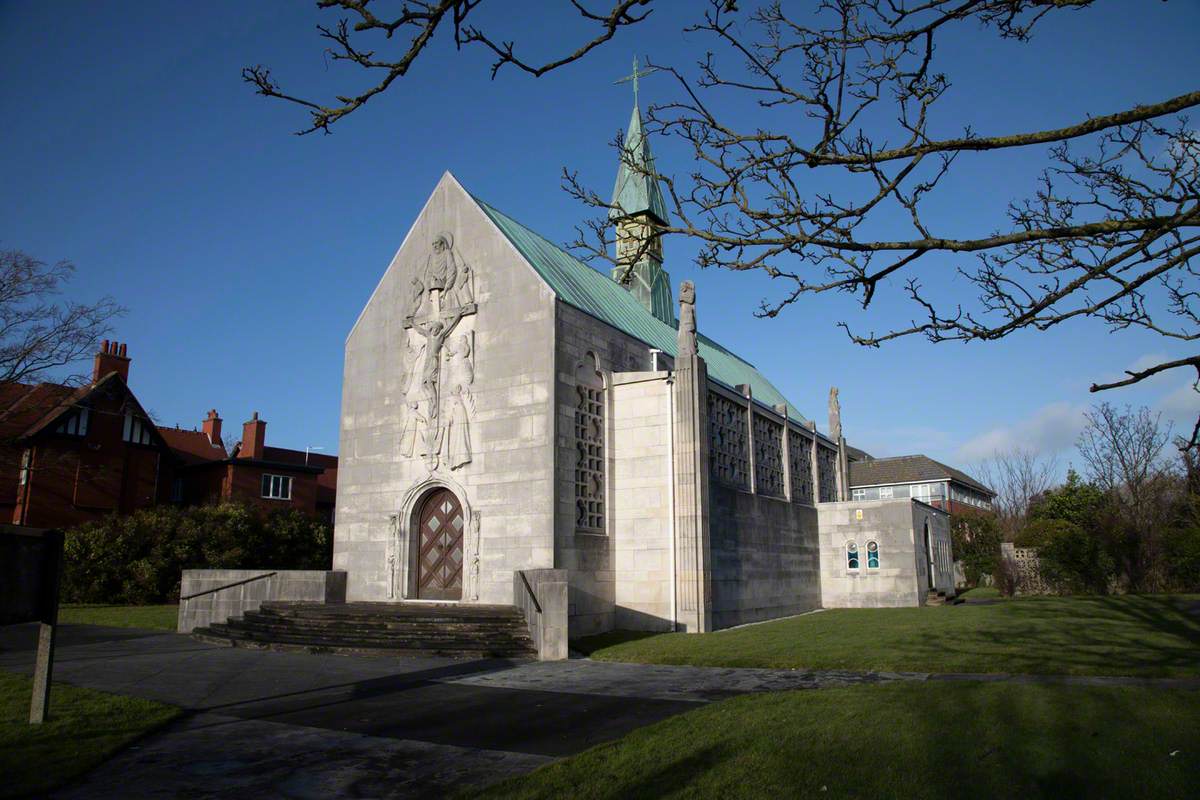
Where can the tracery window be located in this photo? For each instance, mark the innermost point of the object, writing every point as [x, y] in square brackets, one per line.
[827, 474]
[728, 452]
[589, 449]
[851, 555]
[768, 456]
[872, 555]
[800, 465]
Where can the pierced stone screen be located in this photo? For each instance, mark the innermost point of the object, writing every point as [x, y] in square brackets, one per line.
[589, 463]
[728, 453]
[800, 465]
[768, 456]
[827, 474]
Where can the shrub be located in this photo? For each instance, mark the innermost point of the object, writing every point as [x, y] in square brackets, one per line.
[976, 542]
[1181, 552]
[138, 559]
[1071, 559]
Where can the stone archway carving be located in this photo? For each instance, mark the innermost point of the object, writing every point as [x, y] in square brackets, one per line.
[405, 548]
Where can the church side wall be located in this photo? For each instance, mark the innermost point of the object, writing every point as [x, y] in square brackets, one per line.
[641, 513]
[892, 525]
[765, 562]
[589, 558]
[508, 484]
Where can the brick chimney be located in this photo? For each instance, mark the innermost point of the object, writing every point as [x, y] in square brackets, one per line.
[254, 437]
[212, 427]
[111, 358]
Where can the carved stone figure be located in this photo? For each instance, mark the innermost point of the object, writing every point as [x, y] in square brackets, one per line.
[416, 297]
[686, 342]
[445, 293]
[441, 271]
[465, 290]
[835, 415]
[475, 523]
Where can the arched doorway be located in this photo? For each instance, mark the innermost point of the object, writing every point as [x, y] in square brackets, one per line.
[440, 526]
[929, 557]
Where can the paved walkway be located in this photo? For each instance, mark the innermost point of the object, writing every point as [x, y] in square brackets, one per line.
[291, 725]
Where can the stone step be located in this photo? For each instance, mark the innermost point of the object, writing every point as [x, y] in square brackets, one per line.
[514, 638]
[457, 642]
[388, 623]
[351, 623]
[461, 631]
[366, 649]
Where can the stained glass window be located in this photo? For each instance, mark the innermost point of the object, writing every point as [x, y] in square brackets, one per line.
[852, 555]
[872, 555]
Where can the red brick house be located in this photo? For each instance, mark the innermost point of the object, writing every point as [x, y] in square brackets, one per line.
[73, 454]
[268, 477]
[70, 455]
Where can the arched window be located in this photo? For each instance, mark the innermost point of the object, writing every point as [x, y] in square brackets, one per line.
[872, 555]
[851, 555]
[589, 446]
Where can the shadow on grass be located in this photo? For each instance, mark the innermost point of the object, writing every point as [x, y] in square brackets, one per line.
[590, 644]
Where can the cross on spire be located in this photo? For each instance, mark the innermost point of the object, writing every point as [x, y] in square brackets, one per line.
[634, 77]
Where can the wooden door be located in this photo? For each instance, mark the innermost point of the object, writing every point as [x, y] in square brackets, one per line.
[440, 560]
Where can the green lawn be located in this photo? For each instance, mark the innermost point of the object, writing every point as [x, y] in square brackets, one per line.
[84, 728]
[161, 618]
[932, 741]
[1128, 635]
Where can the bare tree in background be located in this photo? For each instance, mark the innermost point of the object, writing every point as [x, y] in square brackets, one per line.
[845, 94]
[40, 332]
[1123, 452]
[1017, 476]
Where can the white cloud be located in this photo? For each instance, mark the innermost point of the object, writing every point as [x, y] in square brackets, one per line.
[1051, 429]
[1181, 406]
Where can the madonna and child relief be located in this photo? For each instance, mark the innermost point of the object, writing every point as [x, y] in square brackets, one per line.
[439, 359]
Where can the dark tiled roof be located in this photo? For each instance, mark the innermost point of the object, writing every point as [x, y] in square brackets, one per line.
[192, 447]
[23, 405]
[854, 454]
[908, 469]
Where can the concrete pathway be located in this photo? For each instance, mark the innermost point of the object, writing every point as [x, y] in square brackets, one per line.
[290, 725]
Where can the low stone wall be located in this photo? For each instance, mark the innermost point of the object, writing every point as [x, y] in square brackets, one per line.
[247, 589]
[547, 617]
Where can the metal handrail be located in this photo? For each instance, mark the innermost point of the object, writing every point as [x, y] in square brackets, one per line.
[235, 583]
[529, 589]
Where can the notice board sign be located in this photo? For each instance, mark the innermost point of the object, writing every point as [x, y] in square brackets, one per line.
[30, 564]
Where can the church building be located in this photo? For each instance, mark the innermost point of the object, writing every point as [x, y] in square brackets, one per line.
[507, 408]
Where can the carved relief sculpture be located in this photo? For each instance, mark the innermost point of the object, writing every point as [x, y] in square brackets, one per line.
[460, 375]
[475, 524]
[439, 403]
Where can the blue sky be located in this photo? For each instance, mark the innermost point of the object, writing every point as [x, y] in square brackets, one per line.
[244, 253]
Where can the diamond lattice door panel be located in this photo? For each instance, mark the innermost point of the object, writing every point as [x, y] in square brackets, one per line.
[439, 569]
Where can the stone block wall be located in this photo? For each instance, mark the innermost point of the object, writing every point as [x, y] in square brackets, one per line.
[898, 580]
[585, 343]
[250, 590]
[641, 501]
[508, 485]
[765, 561]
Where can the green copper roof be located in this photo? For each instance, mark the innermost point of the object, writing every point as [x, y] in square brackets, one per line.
[578, 285]
[635, 190]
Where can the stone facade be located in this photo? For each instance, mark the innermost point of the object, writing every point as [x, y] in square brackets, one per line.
[873, 554]
[648, 493]
[507, 486]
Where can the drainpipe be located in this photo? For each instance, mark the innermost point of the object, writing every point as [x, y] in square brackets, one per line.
[671, 495]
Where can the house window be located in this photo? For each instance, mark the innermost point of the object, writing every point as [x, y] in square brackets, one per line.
[885, 493]
[277, 487]
[177, 490]
[137, 430]
[26, 457]
[859, 494]
[74, 425]
[872, 555]
[851, 555]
